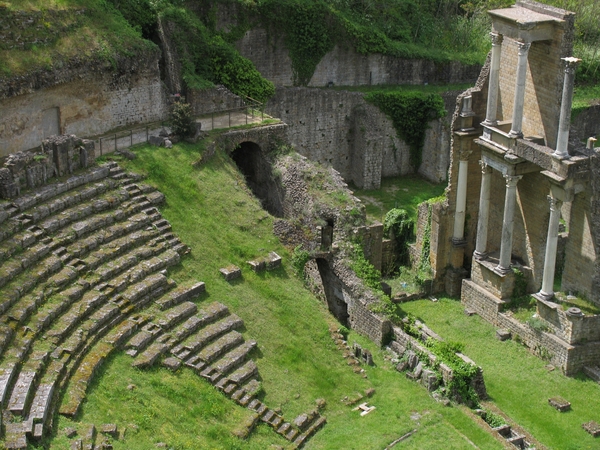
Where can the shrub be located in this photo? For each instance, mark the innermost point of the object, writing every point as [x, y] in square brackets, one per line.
[182, 121]
[299, 259]
[398, 224]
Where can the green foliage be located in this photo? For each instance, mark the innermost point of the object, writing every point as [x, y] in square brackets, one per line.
[181, 118]
[299, 259]
[493, 420]
[365, 270]
[398, 224]
[424, 269]
[537, 324]
[308, 32]
[410, 112]
[344, 331]
[207, 58]
[460, 387]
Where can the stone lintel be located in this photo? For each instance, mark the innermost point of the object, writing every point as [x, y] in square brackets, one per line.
[523, 24]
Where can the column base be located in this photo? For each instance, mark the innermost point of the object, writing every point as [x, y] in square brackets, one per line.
[515, 134]
[489, 123]
[479, 256]
[502, 271]
[560, 156]
[543, 296]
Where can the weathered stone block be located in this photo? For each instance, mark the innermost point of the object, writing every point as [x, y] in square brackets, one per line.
[503, 335]
[559, 404]
[231, 272]
[592, 427]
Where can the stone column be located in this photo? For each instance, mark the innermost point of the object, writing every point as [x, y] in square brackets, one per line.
[484, 212]
[494, 81]
[517, 118]
[508, 223]
[562, 141]
[547, 291]
[461, 200]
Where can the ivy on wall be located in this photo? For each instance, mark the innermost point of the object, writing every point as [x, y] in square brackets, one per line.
[410, 112]
[206, 58]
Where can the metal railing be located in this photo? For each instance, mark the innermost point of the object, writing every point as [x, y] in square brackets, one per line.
[119, 140]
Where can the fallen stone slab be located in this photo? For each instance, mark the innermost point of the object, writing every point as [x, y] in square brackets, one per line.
[503, 335]
[231, 272]
[592, 427]
[559, 403]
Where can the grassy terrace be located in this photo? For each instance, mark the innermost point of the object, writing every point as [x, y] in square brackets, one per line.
[518, 382]
[211, 210]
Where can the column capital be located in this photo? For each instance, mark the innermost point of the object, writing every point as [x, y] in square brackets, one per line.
[497, 38]
[523, 47]
[512, 180]
[485, 168]
[554, 203]
[570, 64]
[463, 154]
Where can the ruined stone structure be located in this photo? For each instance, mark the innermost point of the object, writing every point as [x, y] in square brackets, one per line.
[85, 99]
[513, 178]
[341, 129]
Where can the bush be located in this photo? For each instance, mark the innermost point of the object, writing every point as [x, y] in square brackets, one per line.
[400, 226]
[299, 259]
[182, 121]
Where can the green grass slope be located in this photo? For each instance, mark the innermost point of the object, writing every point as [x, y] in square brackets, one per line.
[212, 210]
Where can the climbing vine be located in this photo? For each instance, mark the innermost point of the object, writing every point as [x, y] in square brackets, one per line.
[308, 32]
[207, 58]
[398, 224]
[410, 112]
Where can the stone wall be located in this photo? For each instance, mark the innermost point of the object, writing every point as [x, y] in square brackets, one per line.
[215, 99]
[81, 100]
[570, 358]
[341, 129]
[573, 328]
[59, 155]
[343, 66]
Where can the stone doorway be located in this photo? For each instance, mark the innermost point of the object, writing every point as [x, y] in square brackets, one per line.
[333, 292]
[259, 176]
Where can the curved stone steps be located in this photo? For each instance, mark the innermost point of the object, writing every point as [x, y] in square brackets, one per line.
[23, 211]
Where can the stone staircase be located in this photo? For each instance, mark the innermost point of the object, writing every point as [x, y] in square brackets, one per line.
[83, 274]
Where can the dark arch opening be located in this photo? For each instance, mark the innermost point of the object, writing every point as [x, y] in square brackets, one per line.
[259, 176]
[333, 292]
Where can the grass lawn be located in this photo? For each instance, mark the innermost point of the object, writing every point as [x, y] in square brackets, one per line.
[518, 382]
[404, 192]
[211, 210]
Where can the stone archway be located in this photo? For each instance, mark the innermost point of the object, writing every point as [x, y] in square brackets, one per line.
[251, 161]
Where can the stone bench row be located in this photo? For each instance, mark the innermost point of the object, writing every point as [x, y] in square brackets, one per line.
[105, 232]
[43, 194]
[160, 258]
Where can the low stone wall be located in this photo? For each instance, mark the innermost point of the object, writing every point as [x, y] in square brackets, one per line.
[573, 328]
[59, 155]
[570, 358]
[215, 99]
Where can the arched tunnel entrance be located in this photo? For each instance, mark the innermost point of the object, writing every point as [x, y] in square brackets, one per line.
[259, 176]
[333, 292]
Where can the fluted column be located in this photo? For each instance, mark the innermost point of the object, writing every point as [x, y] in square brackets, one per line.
[547, 290]
[508, 222]
[562, 140]
[494, 81]
[517, 118]
[484, 212]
